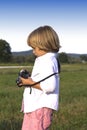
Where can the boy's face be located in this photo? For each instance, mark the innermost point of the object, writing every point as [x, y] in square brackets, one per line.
[38, 52]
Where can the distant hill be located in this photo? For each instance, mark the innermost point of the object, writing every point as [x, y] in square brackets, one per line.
[22, 53]
[75, 55]
[25, 53]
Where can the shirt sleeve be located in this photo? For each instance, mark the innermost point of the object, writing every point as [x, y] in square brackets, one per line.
[49, 85]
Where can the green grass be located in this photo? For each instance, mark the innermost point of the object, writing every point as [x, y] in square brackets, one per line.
[72, 114]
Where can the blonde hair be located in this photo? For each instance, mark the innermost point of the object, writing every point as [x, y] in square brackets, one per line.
[45, 38]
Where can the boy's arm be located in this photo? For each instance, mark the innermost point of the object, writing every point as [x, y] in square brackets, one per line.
[29, 81]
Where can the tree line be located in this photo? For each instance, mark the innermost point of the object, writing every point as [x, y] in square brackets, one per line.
[7, 56]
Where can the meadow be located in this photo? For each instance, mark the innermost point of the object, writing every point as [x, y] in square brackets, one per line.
[72, 113]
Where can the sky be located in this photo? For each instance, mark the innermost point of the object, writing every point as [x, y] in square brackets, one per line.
[18, 18]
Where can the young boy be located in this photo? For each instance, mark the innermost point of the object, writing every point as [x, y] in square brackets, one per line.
[44, 97]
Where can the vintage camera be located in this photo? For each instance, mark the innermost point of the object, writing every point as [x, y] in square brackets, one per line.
[24, 74]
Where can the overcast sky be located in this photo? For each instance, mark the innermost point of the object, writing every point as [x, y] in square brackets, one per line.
[68, 18]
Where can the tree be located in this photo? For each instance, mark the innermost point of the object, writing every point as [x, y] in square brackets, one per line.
[63, 57]
[5, 51]
[83, 57]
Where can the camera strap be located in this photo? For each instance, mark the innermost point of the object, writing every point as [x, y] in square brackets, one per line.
[41, 81]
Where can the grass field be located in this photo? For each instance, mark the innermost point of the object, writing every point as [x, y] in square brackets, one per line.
[72, 114]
